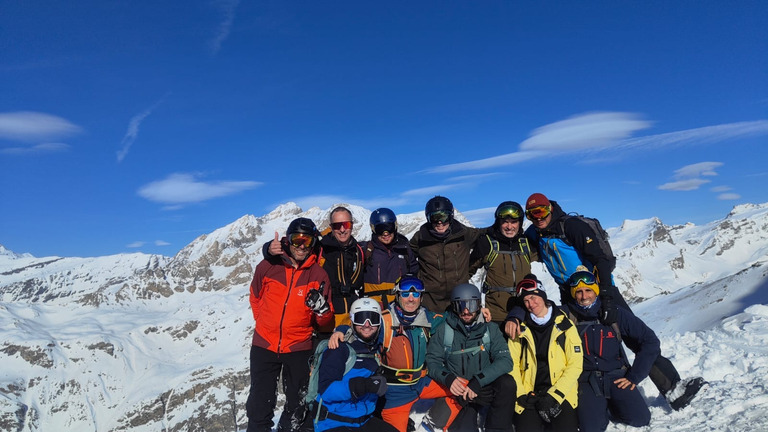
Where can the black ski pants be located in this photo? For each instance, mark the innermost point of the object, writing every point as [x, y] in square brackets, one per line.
[266, 368]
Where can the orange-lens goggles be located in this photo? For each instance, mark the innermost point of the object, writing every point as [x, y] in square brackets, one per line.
[508, 212]
[299, 240]
[539, 212]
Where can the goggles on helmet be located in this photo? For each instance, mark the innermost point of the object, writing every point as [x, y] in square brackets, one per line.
[584, 277]
[439, 216]
[301, 239]
[371, 317]
[472, 305]
[409, 283]
[526, 286]
[382, 228]
[509, 211]
[539, 212]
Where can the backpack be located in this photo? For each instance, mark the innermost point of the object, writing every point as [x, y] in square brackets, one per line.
[600, 234]
[525, 250]
[314, 369]
[583, 326]
[448, 342]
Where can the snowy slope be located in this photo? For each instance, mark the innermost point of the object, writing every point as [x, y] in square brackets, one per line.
[145, 342]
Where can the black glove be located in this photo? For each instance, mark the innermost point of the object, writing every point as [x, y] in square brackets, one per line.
[359, 386]
[345, 290]
[548, 408]
[317, 302]
[608, 313]
[528, 401]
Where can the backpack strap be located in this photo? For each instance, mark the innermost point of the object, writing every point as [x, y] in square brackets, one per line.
[448, 343]
[389, 332]
[493, 253]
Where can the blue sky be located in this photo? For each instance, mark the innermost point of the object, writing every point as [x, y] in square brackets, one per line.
[138, 126]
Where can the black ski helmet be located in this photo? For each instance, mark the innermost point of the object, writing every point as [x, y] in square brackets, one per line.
[465, 296]
[439, 203]
[302, 226]
[383, 218]
[509, 209]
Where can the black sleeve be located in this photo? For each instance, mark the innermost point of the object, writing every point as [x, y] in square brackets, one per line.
[584, 239]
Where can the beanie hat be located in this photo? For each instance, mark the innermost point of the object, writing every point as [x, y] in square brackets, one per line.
[530, 286]
[536, 200]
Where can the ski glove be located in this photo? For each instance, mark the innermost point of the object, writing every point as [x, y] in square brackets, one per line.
[548, 408]
[317, 302]
[359, 386]
[528, 401]
[608, 313]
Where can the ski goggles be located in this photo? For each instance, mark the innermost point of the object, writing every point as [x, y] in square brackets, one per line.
[300, 239]
[526, 286]
[410, 283]
[384, 228]
[472, 305]
[439, 216]
[580, 277]
[406, 294]
[371, 317]
[539, 212]
[336, 226]
[508, 212]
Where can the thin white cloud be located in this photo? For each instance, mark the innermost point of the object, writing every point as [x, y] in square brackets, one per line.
[183, 188]
[228, 8]
[29, 126]
[133, 130]
[684, 185]
[728, 196]
[697, 170]
[136, 244]
[585, 131]
[36, 149]
[472, 177]
[721, 189]
[604, 131]
[430, 190]
[161, 243]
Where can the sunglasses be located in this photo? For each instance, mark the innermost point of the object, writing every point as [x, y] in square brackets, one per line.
[527, 285]
[360, 318]
[584, 277]
[299, 239]
[540, 212]
[384, 228]
[406, 294]
[439, 217]
[509, 212]
[336, 226]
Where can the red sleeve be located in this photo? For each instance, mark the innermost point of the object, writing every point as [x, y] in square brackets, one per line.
[255, 296]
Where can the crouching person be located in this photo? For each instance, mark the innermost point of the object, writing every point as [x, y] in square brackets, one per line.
[608, 382]
[470, 357]
[348, 390]
[548, 361]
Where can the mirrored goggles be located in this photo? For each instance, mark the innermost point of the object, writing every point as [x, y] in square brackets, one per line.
[473, 305]
[336, 226]
[406, 294]
[584, 277]
[301, 239]
[540, 212]
[383, 228]
[439, 216]
[509, 212]
[410, 283]
[371, 317]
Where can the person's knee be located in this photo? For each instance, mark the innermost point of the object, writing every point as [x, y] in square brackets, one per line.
[505, 385]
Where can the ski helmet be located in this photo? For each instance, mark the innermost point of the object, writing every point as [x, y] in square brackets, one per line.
[383, 219]
[366, 310]
[440, 209]
[303, 226]
[465, 296]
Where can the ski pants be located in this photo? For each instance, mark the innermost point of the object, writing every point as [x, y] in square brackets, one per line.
[500, 400]
[400, 400]
[663, 373]
[598, 396]
[530, 421]
[266, 368]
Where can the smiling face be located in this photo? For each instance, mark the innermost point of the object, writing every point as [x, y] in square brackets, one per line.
[509, 227]
[366, 332]
[341, 226]
[535, 305]
[300, 253]
[410, 303]
[584, 296]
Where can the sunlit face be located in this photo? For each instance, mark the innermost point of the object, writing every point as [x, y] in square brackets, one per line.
[441, 227]
[299, 253]
[535, 305]
[584, 296]
[386, 238]
[542, 223]
[409, 304]
[343, 234]
[366, 331]
[509, 227]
